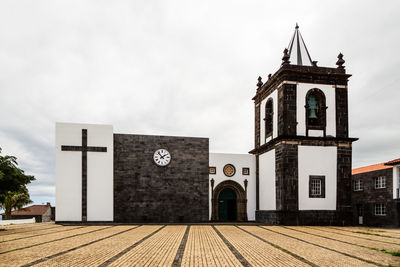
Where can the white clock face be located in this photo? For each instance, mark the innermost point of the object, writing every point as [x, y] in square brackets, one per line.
[162, 157]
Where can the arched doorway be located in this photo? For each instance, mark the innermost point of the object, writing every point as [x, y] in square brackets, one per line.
[227, 205]
[234, 205]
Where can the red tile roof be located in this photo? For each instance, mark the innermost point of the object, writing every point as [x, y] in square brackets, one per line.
[370, 168]
[31, 210]
[393, 162]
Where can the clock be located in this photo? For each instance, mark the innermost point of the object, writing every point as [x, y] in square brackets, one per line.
[162, 157]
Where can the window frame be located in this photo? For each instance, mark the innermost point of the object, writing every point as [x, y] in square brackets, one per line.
[322, 184]
[380, 182]
[358, 185]
[212, 170]
[380, 209]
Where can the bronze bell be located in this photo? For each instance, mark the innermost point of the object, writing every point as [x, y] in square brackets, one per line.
[312, 106]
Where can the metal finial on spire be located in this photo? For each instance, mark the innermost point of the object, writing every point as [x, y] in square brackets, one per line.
[298, 51]
[260, 83]
[285, 58]
[340, 61]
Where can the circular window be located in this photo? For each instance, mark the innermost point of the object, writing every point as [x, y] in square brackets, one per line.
[229, 170]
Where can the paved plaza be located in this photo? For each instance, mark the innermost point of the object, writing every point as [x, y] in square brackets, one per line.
[48, 244]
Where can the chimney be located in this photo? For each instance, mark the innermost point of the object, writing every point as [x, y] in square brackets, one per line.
[48, 204]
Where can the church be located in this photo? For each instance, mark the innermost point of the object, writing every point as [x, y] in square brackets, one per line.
[297, 173]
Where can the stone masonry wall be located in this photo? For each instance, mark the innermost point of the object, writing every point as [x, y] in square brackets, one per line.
[342, 116]
[144, 191]
[343, 200]
[286, 168]
[287, 121]
[370, 196]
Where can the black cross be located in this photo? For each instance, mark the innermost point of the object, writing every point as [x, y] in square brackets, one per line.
[84, 149]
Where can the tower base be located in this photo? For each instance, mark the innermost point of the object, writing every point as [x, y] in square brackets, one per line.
[304, 217]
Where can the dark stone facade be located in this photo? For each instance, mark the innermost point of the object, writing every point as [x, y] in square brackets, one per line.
[303, 217]
[342, 113]
[144, 191]
[370, 196]
[257, 125]
[343, 171]
[287, 120]
[286, 179]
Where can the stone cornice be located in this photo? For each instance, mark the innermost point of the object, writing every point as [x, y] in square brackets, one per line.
[303, 140]
[302, 74]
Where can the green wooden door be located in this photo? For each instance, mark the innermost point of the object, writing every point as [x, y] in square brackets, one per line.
[227, 205]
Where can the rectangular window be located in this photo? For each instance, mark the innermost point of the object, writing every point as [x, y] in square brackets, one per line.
[245, 171]
[380, 182]
[213, 170]
[317, 186]
[380, 209]
[358, 185]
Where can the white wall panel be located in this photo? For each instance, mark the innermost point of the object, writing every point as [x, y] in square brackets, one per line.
[267, 181]
[219, 160]
[396, 180]
[317, 160]
[69, 173]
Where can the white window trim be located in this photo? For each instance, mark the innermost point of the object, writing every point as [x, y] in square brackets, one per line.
[381, 211]
[358, 185]
[380, 182]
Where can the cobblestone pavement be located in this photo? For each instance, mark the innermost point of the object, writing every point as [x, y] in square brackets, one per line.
[46, 244]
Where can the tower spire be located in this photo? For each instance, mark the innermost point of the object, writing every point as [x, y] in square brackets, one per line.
[297, 49]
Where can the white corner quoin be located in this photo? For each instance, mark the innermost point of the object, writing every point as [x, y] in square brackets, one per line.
[99, 173]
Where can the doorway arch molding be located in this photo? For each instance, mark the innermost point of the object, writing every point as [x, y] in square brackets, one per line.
[241, 200]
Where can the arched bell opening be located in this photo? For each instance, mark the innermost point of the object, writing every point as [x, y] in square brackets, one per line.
[315, 111]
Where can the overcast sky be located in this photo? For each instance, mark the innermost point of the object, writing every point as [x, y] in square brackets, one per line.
[185, 68]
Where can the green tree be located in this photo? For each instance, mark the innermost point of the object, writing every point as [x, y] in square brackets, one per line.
[13, 191]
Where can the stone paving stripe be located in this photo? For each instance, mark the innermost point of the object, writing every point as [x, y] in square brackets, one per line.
[355, 236]
[19, 238]
[368, 253]
[334, 250]
[78, 247]
[351, 239]
[373, 237]
[242, 260]
[109, 261]
[280, 248]
[365, 232]
[38, 244]
[330, 238]
[30, 230]
[179, 254]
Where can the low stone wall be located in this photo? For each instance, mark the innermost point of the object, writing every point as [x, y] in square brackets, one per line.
[22, 221]
[304, 217]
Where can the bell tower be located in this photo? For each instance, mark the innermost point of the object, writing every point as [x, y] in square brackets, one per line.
[302, 148]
